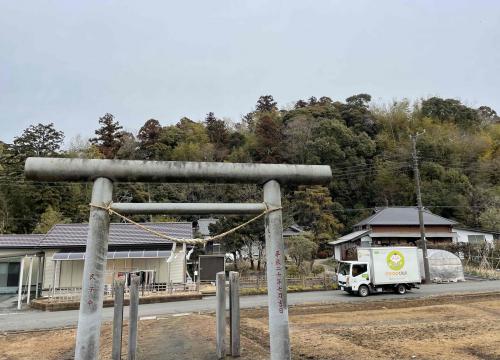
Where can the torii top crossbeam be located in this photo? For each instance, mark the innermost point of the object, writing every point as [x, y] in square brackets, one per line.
[64, 169]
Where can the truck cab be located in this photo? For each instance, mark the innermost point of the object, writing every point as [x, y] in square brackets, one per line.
[352, 274]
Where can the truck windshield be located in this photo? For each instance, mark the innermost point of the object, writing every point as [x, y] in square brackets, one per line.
[344, 268]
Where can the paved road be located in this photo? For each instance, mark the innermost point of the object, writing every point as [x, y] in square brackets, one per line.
[33, 319]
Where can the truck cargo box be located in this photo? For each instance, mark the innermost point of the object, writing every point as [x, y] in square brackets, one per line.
[391, 265]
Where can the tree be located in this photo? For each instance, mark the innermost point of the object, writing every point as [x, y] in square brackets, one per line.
[450, 110]
[301, 248]
[218, 134]
[266, 103]
[38, 140]
[490, 219]
[367, 147]
[149, 136]
[300, 104]
[216, 129]
[313, 101]
[298, 133]
[356, 114]
[269, 135]
[333, 143]
[313, 209]
[109, 136]
[189, 141]
[48, 219]
[360, 100]
[248, 122]
[2, 150]
[487, 115]
[325, 100]
[231, 243]
[128, 146]
[80, 147]
[4, 213]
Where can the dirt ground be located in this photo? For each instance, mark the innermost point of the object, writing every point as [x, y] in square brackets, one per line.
[452, 327]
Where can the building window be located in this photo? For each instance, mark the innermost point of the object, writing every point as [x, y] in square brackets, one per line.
[9, 274]
[476, 239]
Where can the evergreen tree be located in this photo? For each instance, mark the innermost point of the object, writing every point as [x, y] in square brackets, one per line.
[269, 134]
[216, 129]
[109, 136]
[149, 133]
[266, 103]
[149, 138]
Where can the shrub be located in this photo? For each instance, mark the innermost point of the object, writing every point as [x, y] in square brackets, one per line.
[293, 271]
[243, 267]
[318, 269]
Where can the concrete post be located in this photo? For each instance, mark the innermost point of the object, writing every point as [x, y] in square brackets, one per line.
[220, 314]
[234, 312]
[118, 289]
[133, 317]
[54, 278]
[276, 275]
[20, 290]
[29, 280]
[42, 280]
[58, 278]
[89, 317]
[198, 281]
[39, 264]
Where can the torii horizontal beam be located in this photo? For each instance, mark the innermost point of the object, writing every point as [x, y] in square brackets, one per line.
[189, 208]
[64, 169]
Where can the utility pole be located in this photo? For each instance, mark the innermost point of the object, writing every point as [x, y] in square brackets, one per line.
[423, 240]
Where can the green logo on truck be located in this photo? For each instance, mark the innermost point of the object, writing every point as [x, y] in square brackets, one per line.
[395, 260]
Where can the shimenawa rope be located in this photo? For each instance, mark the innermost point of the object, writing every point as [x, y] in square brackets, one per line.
[194, 241]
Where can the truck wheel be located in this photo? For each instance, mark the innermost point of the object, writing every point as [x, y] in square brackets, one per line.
[363, 291]
[401, 289]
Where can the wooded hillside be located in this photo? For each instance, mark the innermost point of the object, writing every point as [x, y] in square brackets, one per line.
[368, 147]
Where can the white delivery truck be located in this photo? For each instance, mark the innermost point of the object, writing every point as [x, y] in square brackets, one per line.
[380, 269]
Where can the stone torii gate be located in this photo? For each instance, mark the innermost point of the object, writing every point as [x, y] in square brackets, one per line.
[104, 172]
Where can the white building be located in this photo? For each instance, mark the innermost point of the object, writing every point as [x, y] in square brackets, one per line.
[474, 236]
[56, 259]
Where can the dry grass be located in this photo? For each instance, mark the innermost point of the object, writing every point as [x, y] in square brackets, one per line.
[465, 327]
[485, 273]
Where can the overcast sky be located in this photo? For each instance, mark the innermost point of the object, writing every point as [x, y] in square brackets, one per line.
[69, 62]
